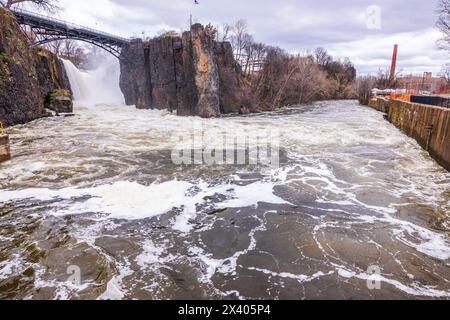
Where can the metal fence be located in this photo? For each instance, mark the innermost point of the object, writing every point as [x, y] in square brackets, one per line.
[432, 100]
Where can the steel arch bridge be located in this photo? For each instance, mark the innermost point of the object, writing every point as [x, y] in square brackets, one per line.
[47, 29]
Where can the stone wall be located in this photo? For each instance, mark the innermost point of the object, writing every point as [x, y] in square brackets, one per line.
[27, 75]
[191, 74]
[429, 125]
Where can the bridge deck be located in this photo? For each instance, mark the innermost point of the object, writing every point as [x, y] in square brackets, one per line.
[69, 30]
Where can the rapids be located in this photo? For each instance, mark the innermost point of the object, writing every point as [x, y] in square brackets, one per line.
[98, 191]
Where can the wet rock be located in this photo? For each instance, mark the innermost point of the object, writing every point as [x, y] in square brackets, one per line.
[93, 265]
[244, 110]
[27, 74]
[217, 211]
[15, 287]
[59, 101]
[193, 75]
[134, 75]
[117, 247]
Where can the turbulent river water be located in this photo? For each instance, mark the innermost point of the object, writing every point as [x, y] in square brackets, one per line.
[93, 207]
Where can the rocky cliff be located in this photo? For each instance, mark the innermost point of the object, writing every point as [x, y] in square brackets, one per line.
[28, 76]
[192, 74]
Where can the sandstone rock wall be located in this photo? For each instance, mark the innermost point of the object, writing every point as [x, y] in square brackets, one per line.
[192, 74]
[27, 75]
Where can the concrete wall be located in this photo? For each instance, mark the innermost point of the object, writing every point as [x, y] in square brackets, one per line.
[429, 125]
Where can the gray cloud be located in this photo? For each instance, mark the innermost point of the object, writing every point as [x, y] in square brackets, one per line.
[294, 25]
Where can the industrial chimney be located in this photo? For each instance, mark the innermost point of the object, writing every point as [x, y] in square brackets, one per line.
[393, 66]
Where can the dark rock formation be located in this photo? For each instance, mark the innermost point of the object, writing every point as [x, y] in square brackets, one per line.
[59, 101]
[27, 75]
[134, 81]
[192, 74]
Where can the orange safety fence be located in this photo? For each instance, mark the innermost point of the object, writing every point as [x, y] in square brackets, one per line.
[403, 97]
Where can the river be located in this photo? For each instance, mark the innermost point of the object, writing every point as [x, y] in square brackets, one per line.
[93, 207]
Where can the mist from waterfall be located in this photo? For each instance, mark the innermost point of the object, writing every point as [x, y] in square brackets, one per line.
[97, 86]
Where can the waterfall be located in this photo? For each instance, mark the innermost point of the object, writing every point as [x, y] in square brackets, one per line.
[97, 86]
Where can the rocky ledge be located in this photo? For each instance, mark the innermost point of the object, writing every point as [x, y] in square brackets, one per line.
[59, 101]
[192, 75]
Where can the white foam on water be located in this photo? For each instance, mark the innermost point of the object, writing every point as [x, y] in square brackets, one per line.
[133, 201]
[313, 143]
[114, 288]
[228, 265]
[300, 278]
[150, 255]
[415, 289]
[13, 265]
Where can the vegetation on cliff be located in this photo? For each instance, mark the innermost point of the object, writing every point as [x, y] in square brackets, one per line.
[46, 5]
[197, 74]
[278, 78]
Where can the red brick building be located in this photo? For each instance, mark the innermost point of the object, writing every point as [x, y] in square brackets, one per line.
[425, 83]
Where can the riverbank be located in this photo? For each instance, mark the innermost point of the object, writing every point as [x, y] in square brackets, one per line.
[428, 125]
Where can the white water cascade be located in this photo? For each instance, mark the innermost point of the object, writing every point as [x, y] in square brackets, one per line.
[98, 86]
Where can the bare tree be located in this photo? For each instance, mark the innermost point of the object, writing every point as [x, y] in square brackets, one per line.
[223, 34]
[383, 80]
[321, 57]
[55, 47]
[45, 5]
[239, 38]
[247, 52]
[255, 53]
[446, 72]
[443, 23]
[364, 86]
[70, 50]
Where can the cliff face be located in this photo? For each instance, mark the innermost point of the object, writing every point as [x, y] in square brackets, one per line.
[192, 74]
[27, 75]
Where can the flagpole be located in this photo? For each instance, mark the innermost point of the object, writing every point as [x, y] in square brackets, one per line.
[191, 18]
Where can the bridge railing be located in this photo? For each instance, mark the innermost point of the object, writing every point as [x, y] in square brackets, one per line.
[69, 25]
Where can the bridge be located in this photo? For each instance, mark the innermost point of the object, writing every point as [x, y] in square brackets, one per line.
[47, 29]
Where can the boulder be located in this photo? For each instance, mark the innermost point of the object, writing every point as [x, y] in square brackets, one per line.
[59, 101]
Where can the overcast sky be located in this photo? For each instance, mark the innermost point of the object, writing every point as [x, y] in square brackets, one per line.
[344, 28]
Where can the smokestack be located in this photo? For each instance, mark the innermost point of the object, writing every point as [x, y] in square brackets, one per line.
[393, 65]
